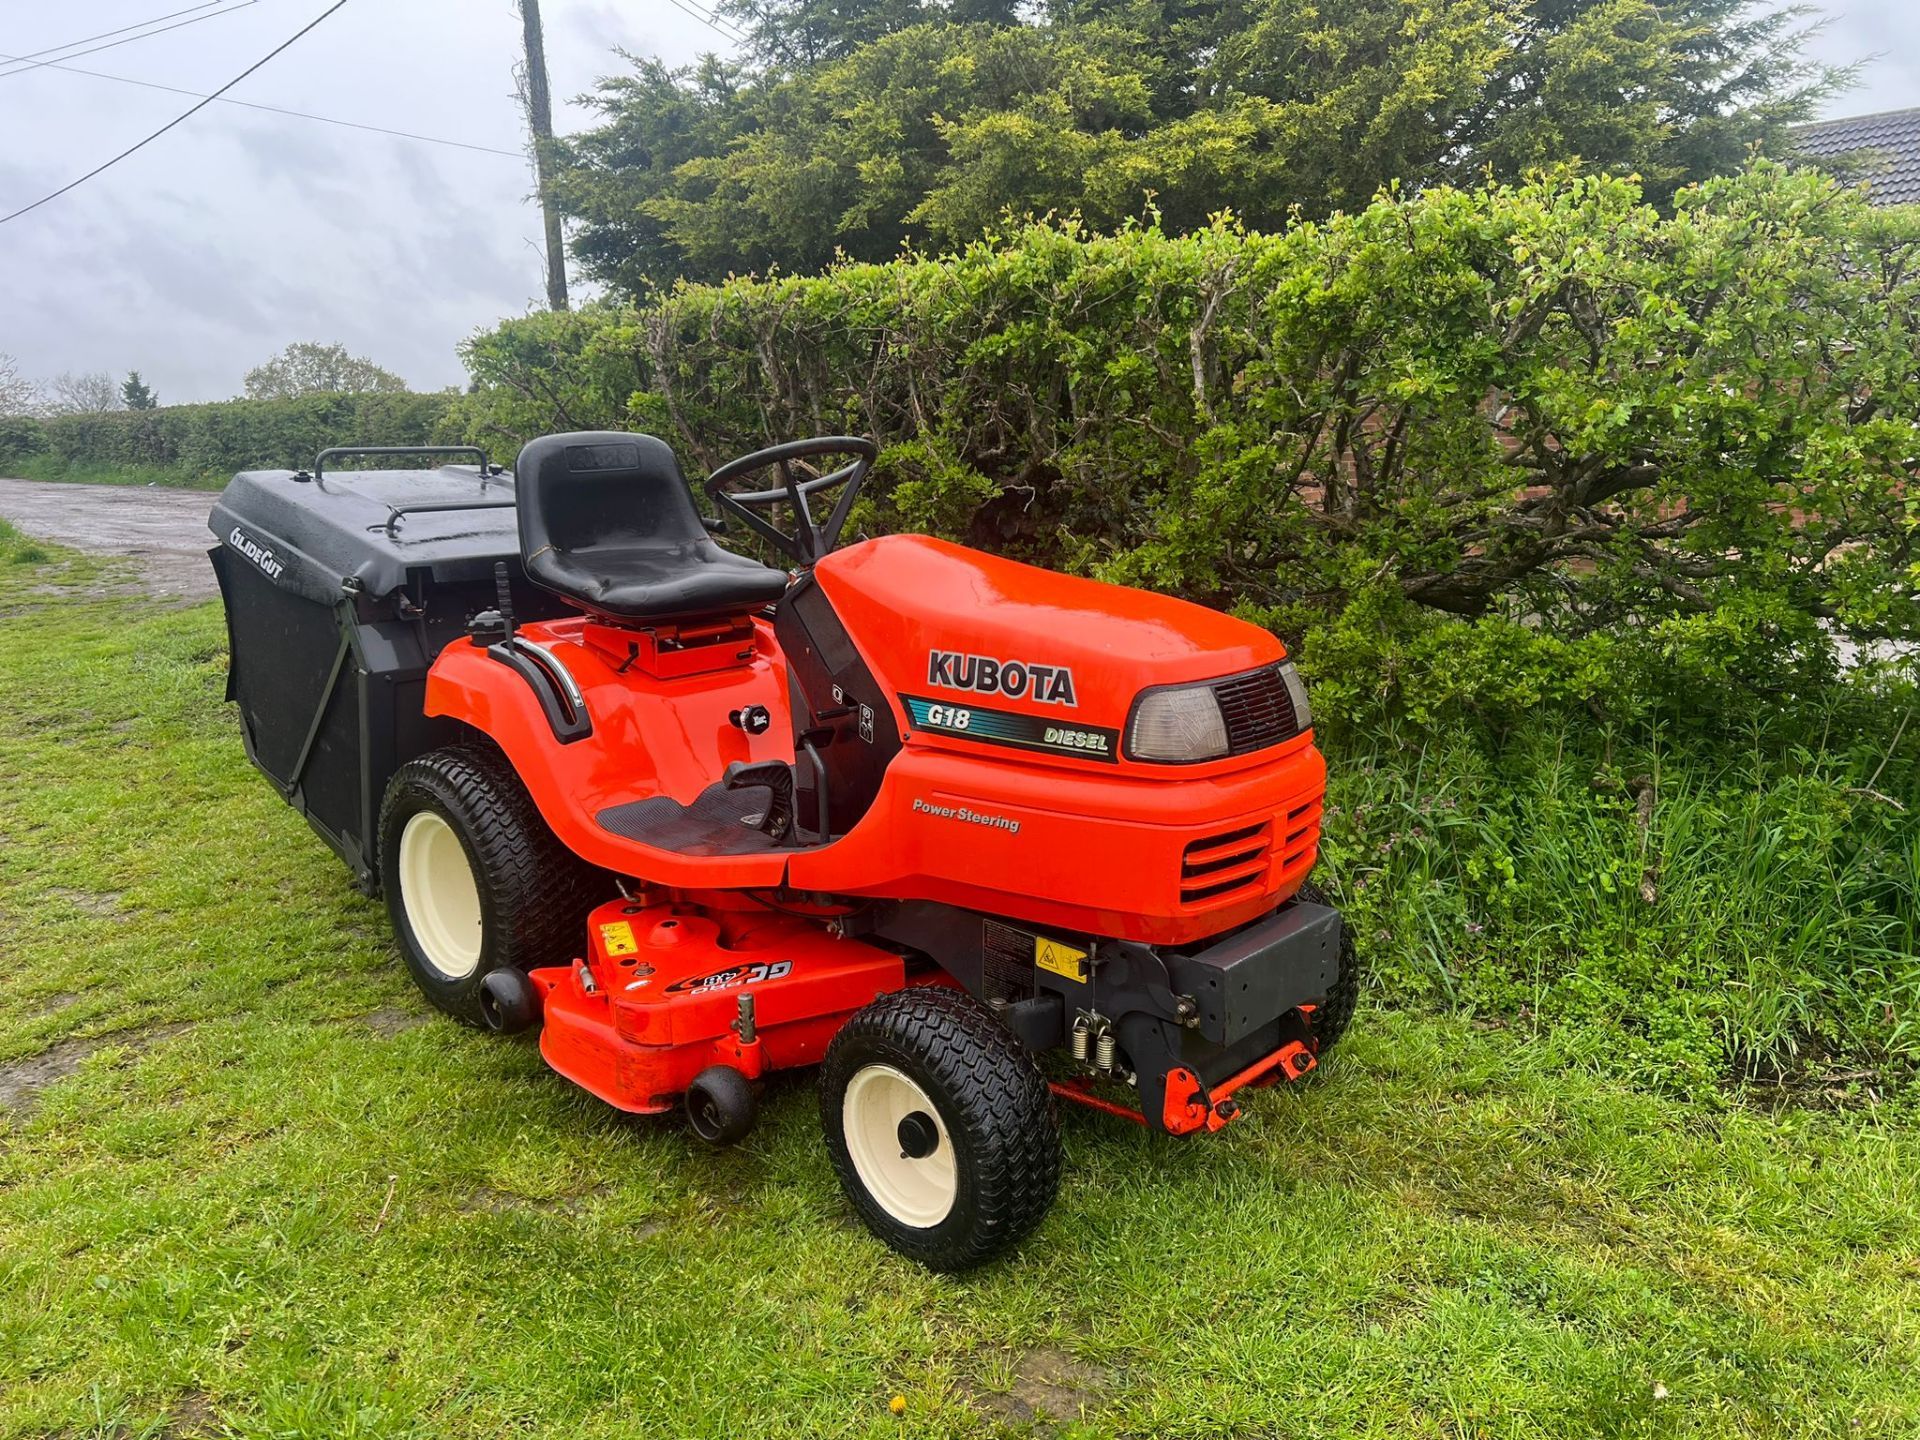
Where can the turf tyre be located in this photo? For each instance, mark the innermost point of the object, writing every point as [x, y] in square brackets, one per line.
[1330, 1021]
[533, 893]
[992, 1106]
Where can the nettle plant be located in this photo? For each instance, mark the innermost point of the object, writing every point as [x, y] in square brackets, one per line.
[1632, 451]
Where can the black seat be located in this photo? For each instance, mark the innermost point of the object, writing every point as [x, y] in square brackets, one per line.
[607, 522]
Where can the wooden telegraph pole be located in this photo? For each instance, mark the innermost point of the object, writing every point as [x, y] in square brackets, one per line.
[540, 122]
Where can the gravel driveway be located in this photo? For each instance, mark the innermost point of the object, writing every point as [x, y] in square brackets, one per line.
[164, 531]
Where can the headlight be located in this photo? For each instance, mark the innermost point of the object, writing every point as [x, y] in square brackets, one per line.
[1235, 715]
[1297, 693]
[1177, 725]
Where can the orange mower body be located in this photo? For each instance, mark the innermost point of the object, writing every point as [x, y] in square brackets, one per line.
[701, 819]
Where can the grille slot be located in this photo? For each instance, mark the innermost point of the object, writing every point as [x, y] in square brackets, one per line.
[1301, 841]
[1257, 708]
[1224, 865]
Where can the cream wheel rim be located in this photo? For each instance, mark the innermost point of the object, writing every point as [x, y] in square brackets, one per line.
[887, 1118]
[440, 895]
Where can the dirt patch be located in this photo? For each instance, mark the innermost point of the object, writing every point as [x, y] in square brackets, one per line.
[498, 1202]
[52, 1005]
[391, 1020]
[164, 532]
[192, 1417]
[1048, 1385]
[22, 1080]
[88, 902]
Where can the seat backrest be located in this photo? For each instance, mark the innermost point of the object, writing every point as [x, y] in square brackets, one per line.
[601, 489]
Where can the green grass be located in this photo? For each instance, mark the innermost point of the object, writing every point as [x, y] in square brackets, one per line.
[1758, 922]
[275, 1196]
[51, 467]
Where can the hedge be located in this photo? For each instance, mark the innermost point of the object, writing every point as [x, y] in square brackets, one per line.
[1547, 407]
[215, 440]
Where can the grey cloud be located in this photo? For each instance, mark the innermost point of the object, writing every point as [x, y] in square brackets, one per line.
[240, 231]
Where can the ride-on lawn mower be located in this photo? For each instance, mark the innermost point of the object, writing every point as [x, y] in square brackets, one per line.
[915, 814]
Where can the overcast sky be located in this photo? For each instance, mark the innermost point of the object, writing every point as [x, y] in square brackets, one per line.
[241, 231]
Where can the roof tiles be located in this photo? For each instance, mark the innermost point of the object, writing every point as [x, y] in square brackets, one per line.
[1891, 140]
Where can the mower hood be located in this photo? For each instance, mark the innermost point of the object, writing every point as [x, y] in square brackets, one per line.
[951, 625]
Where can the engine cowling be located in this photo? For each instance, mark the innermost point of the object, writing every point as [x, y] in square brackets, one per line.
[976, 648]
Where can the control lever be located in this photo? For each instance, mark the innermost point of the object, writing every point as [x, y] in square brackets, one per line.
[503, 595]
[495, 626]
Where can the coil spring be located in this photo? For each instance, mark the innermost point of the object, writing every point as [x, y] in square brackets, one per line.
[1079, 1039]
[1105, 1050]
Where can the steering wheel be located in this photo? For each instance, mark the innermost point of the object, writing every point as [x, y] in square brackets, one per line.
[810, 540]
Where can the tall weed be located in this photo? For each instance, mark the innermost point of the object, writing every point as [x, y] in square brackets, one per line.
[1692, 911]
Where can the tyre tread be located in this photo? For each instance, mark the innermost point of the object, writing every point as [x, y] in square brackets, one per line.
[540, 890]
[1003, 1100]
[1330, 1021]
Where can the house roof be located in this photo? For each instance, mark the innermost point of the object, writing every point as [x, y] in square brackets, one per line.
[1891, 141]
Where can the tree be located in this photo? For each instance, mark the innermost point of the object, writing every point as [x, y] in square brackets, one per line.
[308, 368]
[858, 127]
[18, 395]
[90, 393]
[136, 394]
[796, 34]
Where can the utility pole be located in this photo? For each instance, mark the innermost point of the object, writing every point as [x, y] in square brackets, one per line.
[540, 121]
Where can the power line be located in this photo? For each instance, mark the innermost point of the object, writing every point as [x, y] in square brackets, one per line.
[712, 22]
[269, 109]
[144, 35]
[194, 110]
[138, 25]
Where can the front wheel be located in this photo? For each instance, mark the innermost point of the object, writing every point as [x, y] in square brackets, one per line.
[939, 1126]
[1330, 1020]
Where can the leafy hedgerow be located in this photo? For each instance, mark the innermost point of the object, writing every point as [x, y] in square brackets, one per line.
[1643, 455]
[210, 442]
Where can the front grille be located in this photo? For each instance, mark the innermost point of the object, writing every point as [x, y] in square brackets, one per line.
[1258, 710]
[1222, 866]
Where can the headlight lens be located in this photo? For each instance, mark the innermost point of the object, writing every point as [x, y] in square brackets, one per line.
[1178, 725]
[1297, 692]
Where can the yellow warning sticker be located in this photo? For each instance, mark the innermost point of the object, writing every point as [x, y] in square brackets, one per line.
[1060, 958]
[616, 938]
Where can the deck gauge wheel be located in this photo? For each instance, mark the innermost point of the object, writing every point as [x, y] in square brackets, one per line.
[721, 1105]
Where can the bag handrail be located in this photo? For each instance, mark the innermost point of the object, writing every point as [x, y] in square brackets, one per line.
[487, 467]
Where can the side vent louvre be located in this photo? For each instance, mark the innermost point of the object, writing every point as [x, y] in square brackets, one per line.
[1224, 865]
[1300, 841]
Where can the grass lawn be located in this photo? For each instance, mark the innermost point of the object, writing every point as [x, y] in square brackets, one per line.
[251, 1184]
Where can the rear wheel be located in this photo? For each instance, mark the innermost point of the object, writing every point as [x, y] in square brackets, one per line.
[939, 1126]
[475, 880]
[1330, 1020]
